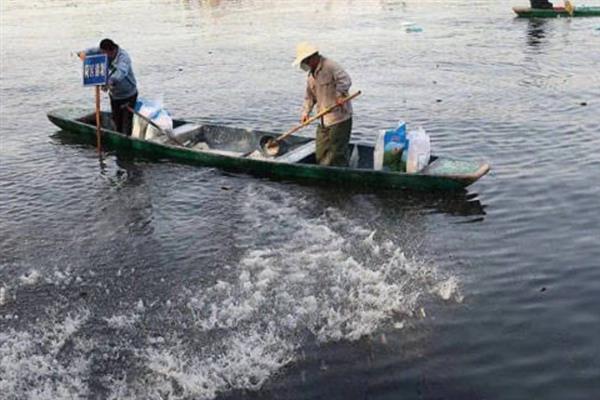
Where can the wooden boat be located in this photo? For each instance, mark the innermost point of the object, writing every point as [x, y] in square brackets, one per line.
[224, 147]
[579, 11]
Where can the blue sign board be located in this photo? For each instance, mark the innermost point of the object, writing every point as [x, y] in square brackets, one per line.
[95, 70]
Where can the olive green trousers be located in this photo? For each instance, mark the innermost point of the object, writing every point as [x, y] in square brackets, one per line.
[332, 144]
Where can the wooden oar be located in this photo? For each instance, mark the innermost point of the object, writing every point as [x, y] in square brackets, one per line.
[271, 145]
[148, 120]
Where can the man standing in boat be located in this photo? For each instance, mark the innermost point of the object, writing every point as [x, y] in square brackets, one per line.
[327, 84]
[122, 86]
[540, 4]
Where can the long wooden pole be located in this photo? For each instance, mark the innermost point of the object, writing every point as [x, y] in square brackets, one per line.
[98, 130]
[316, 117]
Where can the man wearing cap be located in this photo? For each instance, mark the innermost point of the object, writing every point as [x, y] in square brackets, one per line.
[326, 85]
[122, 87]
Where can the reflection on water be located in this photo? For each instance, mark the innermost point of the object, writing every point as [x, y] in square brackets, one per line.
[72, 139]
[127, 169]
[463, 203]
[536, 31]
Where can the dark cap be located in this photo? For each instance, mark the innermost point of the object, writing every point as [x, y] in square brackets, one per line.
[107, 44]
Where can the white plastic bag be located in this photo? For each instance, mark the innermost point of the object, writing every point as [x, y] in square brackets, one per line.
[138, 129]
[419, 150]
[378, 152]
[153, 110]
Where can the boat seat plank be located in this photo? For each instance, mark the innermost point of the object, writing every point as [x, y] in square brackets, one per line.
[299, 153]
[186, 128]
[187, 131]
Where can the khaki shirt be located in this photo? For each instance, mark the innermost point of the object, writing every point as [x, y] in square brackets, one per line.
[328, 83]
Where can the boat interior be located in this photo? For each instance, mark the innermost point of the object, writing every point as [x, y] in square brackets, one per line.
[236, 142]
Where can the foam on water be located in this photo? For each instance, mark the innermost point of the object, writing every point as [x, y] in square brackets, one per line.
[172, 367]
[30, 278]
[329, 279]
[33, 364]
[318, 278]
[3, 297]
[448, 290]
[122, 321]
[245, 362]
[58, 276]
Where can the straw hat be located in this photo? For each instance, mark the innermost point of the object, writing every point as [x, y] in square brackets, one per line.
[304, 50]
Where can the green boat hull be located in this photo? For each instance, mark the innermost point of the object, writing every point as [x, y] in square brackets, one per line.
[556, 12]
[443, 174]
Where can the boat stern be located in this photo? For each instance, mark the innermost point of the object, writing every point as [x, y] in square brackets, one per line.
[68, 113]
[464, 171]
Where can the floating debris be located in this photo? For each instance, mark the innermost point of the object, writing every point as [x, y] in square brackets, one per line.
[140, 306]
[30, 278]
[411, 27]
[447, 289]
[384, 339]
[414, 29]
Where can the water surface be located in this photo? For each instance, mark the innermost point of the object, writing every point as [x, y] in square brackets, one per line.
[158, 280]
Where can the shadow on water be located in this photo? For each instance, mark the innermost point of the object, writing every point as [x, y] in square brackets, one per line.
[72, 139]
[536, 32]
[461, 203]
[127, 170]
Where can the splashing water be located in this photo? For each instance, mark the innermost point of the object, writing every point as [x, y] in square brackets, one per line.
[322, 279]
[328, 280]
[36, 364]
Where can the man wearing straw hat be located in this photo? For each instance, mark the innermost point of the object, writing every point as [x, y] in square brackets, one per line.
[326, 85]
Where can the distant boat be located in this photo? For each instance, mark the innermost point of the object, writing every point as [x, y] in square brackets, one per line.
[578, 11]
[225, 147]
